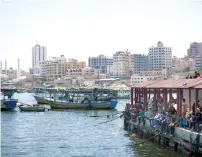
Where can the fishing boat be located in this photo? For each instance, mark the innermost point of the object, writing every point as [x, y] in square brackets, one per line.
[7, 103]
[79, 99]
[43, 100]
[85, 105]
[34, 108]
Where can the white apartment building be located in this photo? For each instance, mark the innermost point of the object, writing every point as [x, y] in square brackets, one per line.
[160, 57]
[39, 54]
[136, 78]
[122, 64]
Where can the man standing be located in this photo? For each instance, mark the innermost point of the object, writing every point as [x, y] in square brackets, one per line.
[184, 108]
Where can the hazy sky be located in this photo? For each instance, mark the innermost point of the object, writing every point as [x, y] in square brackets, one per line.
[79, 28]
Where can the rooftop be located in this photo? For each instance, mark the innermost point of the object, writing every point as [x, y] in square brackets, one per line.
[172, 84]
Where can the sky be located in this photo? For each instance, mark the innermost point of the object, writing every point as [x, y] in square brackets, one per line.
[83, 28]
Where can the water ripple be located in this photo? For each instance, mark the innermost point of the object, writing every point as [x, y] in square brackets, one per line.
[64, 133]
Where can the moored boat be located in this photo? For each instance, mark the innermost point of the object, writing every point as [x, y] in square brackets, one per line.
[79, 99]
[85, 105]
[43, 100]
[8, 104]
[34, 108]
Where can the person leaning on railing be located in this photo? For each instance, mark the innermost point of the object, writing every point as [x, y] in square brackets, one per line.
[198, 119]
[192, 121]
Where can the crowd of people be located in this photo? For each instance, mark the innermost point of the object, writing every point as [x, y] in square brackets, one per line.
[196, 75]
[166, 120]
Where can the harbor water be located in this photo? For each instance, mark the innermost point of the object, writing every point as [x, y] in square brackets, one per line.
[71, 133]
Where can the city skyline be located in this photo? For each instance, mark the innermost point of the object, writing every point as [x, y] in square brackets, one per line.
[94, 28]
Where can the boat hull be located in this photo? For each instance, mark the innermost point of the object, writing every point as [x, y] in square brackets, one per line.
[8, 104]
[93, 105]
[32, 109]
[42, 100]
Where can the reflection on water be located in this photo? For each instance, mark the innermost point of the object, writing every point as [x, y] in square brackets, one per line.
[69, 133]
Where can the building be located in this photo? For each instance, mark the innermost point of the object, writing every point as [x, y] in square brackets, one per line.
[194, 50]
[189, 64]
[198, 62]
[35, 70]
[53, 68]
[109, 71]
[86, 72]
[11, 73]
[178, 64]
[100, 62]
[39, 54]
[75, 64]
[162, 73]
[122, 64]
[160, 57]
[139, 63]
[136, 78]
[56, 67]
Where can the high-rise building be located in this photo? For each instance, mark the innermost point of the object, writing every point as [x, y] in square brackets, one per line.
[160, 57]
[39, 54]
[122, 64]
[194, 50]
[198, 62]
[139, 63]
[100, 62]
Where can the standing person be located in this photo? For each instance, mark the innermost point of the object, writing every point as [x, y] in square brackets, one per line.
[198, 104]
[184, 108]
[194, 108]
[198, 118]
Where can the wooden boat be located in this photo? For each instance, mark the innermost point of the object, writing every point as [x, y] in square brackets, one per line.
[42, 100]
[85, 105]
[80, 99]
[34, 108]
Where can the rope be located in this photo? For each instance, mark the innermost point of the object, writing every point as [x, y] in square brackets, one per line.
[109, 120]
[107, 115]
[148, 139]
[89, 126]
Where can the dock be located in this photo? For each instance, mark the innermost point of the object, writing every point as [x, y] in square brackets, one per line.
[141, 115]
